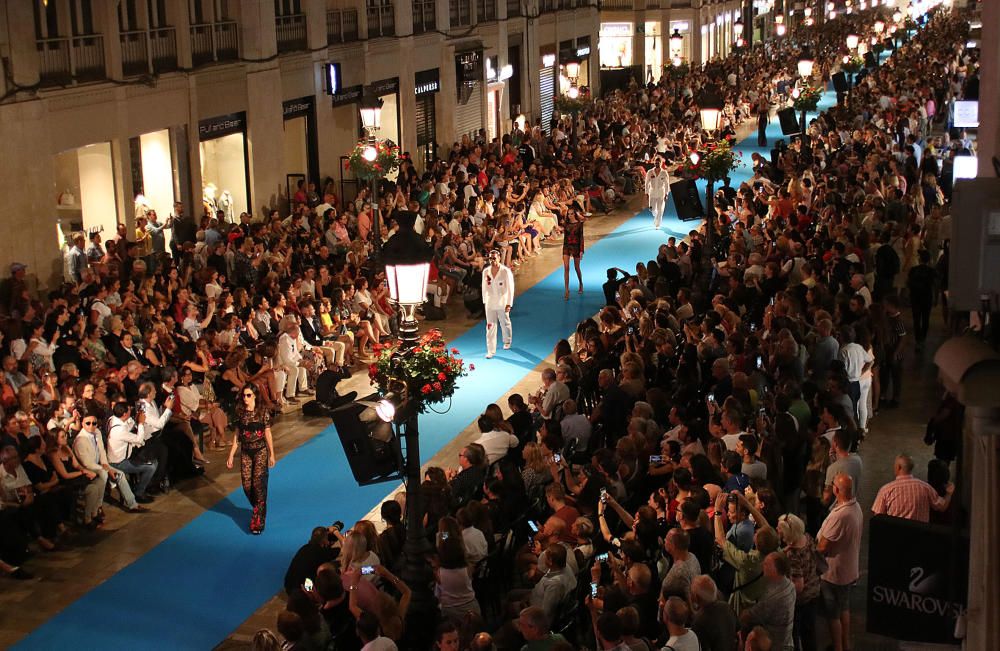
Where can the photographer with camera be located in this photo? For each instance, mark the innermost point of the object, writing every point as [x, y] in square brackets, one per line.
[124, 445]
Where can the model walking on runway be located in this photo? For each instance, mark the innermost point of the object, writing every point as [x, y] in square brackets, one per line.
[253, 440]
[657, 189]
[573, 247]
[498, 297]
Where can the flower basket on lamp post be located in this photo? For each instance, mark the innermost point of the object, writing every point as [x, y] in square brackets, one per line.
[373, 160]
[430, 369]
[808, 98]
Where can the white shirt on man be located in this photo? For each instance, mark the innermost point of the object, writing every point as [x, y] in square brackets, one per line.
[496, 443]
[122, 439]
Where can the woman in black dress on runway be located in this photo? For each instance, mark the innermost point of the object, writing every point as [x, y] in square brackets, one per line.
[253, 440]
[573, 246]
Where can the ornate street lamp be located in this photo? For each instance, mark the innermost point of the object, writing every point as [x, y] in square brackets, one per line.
[370, 109]
[852, 41]
[710, 105]
[407, 264]
[738, 27]
[806, 63]
[676, 42]
[573, 71]
[879, 27]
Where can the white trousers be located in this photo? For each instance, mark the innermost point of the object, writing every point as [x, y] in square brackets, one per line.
[289, 378]
[656, 205]
[865, 402]
[496, 318]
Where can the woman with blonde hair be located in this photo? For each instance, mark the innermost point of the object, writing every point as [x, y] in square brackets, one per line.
[355, 554]
[535, 473]
[800, 550]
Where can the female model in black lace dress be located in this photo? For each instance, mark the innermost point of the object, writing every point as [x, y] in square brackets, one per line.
[573, 246]
[253, 440]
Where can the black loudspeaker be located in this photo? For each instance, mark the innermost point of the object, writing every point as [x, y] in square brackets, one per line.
[687, 201]
[371, 448]
[789, 122]
[840, 83]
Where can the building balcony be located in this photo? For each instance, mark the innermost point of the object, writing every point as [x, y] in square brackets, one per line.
[211, 42]
[461, 13]
[381, 20]
[341, 25]
[424, 16]
[291, 32]
[163, 49]
[63, 61]
[486, 10]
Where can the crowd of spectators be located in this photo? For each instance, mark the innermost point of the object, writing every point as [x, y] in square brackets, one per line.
[687, 475]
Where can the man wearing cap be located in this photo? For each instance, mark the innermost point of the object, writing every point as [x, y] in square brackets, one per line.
[657, 188]
[498, 297]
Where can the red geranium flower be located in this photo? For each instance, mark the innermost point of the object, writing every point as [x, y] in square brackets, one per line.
[454, 351]
[426, 388]
[472, 367]
[437, 386]
[442, 377]
[442, 360]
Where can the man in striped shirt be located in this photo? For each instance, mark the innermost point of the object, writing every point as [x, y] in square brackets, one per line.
[909, 497]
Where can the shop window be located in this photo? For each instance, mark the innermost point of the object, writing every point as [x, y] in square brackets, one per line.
[224, 175]
[86, 196]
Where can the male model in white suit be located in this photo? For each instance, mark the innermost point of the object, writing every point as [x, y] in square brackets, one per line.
[657, 189]
[498, 297]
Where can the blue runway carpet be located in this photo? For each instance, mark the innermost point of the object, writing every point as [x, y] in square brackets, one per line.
[197, 586]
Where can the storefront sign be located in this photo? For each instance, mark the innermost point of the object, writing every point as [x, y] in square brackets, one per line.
[917, 580]
[427, 81]
[583, 52]
[384, 87]
[616, 29]
[296, 108]
[348, 95]
[222, 126]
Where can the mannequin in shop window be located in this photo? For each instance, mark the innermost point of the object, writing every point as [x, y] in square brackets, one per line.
[225, 211]
[209, 196]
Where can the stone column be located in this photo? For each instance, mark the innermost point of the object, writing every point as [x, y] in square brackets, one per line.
[315, 11]
[23, 50]
[988, 141]
[264, 120]
[106, 22]
[180, 18]
[982, 460]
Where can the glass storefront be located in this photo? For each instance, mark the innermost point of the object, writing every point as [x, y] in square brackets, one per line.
[158, 172]
[86, 198]
[388, 91]
[224, 181]
[654, 51]
[615, 45]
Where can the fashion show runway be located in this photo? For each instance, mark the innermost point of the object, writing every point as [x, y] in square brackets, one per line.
[198, 585]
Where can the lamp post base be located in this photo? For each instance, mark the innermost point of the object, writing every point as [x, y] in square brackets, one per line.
[422, 616]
